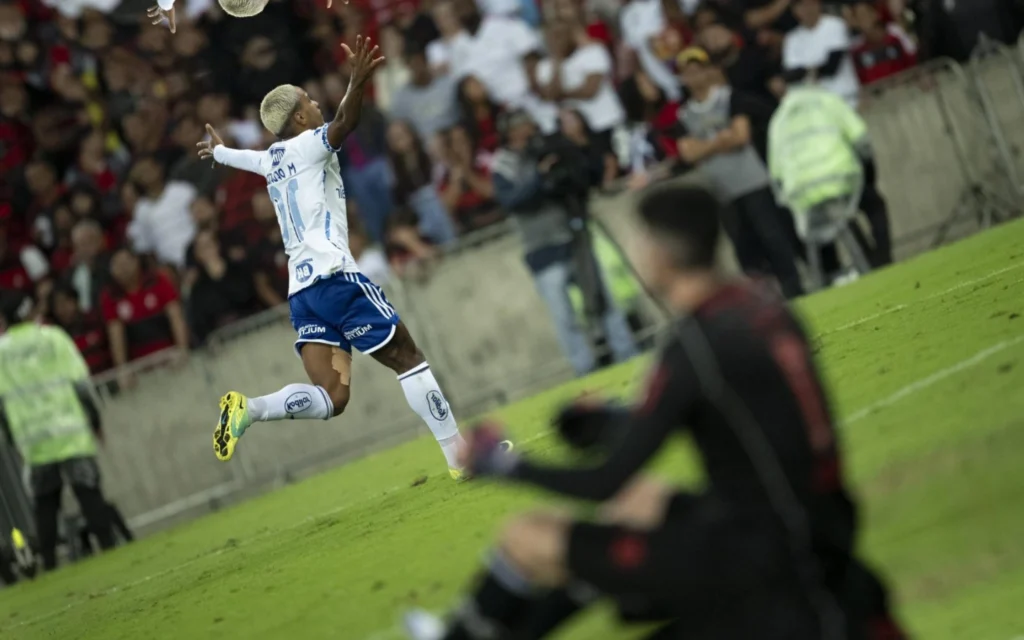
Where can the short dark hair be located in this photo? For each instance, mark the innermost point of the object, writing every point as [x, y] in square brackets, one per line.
[12, 304]
[687, 218]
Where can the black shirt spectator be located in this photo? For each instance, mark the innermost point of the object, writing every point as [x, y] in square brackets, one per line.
[223, 291]
[953, 29]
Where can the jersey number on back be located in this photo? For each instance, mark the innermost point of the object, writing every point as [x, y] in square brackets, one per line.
[288, 210]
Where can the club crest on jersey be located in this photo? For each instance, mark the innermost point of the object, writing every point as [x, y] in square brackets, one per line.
[438, 405]
[304, 271]
[276, 153]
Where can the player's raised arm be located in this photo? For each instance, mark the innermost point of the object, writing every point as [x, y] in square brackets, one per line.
[238, 158]
[164, 9]
[364, 60]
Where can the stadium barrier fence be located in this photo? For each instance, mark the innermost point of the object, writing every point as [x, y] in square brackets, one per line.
[485, 328]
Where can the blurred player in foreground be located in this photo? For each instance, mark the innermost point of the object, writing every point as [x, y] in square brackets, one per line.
[766, 551]
[164, 10]
[47, 410]
[333, 306]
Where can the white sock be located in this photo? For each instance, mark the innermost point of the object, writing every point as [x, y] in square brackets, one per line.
[294, 402]
[424, 396]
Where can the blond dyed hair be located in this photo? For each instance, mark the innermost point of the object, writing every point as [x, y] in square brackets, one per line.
[243, 8]
[278, 107]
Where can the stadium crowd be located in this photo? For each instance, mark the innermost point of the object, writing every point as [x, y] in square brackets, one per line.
[134, 245]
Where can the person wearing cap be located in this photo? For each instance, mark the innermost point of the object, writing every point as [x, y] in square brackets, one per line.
[48, 413]
[549, 242]
[720, 140]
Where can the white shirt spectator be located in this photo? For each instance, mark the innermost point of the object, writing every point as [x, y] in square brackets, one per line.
[439, 52]
[809, 48]
[640, 21]
[75, 8]
[603, 111]
[164, 226]
[494, 55]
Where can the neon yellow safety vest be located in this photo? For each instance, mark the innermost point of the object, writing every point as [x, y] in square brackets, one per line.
[812, 143]
[39, 366]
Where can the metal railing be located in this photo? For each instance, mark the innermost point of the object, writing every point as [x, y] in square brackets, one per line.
[947, 143]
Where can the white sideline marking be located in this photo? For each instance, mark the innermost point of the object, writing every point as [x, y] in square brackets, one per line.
[856, 416]
[932, 296]
[934, 378]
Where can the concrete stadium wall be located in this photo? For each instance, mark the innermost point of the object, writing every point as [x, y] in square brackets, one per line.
[484, 327]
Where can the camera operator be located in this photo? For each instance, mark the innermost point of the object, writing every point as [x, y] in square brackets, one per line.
[544, 184]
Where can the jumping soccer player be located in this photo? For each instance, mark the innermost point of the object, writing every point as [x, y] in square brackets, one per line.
[766, 550]
[333, 306]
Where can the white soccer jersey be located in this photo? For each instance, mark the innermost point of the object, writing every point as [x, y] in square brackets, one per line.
[304, 181]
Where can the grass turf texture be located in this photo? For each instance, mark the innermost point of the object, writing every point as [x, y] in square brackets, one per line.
[340, 555]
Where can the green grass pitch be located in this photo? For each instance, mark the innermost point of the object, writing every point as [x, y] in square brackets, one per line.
[926, 366]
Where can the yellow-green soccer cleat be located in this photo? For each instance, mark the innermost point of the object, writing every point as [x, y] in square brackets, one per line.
[234, 420]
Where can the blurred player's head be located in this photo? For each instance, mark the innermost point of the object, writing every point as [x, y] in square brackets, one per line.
[288, 111]
[679, 239]
[242, 8]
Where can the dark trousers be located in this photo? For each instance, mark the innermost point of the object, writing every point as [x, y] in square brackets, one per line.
[47, 486]
[761, 238]
[873, 206]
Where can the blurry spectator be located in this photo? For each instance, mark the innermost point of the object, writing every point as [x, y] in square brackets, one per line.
[224, 290]
[952, 28]
[21, 265]
[204, 214]
[265, 64]
[545, 226]
[141, 309]
[479, 114]
[749, 67]
[16, 142]
[466, 187]
[496, 52]
[578, 76]
[764, 16]
[371, 259]
[161, 223]
[676, 34]
[45, 193]
[640, 22]
[819, 51]
[364, 168]
[268, 259]
[602, 165]
[90, 264]
[189, 168]
[574, 12]
[453, 36]
[718, 139]
[427, 103]
[85, 328]
[101, 171]
[414, 186]
[882, 49]
[59, 238]
[653, 118]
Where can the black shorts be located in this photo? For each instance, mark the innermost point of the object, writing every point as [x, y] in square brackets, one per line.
[723, 574]
[48, 479]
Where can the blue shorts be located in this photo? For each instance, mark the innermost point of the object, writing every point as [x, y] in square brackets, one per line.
[345, 310]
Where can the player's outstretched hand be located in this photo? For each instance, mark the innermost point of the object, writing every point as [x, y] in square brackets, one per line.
[157, 15]
[206, 146]
[364, 59]
[487, 455]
